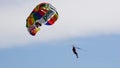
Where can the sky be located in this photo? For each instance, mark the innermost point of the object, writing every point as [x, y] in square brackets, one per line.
[89, 24]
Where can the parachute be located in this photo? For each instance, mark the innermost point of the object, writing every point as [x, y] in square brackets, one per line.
[43, 13]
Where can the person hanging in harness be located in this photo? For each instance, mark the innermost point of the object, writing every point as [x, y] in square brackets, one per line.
[74, 51]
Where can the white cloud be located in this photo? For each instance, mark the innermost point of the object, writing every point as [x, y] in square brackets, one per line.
[76, 18]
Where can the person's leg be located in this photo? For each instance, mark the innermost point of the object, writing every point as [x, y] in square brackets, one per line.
[76, 54]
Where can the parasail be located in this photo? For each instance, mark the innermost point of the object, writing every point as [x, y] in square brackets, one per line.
[43, 13]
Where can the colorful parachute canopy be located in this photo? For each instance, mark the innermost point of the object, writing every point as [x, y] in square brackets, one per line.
[44, 13]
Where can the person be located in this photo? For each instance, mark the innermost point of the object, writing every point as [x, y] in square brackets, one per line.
[74, 51]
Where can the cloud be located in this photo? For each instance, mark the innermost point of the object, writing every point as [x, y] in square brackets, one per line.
[76, 19]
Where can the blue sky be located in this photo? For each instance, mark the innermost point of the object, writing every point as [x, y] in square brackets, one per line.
[90, 24]
[102, 52]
